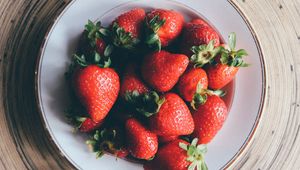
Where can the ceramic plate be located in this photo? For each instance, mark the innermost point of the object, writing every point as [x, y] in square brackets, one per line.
[62, 40]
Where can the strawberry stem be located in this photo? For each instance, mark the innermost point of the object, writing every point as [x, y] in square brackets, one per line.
[103, 62]
[153, 40]
[204, 54]
[123, 39]
[200, 96]
[95, 31]
[147, 104]
[104, 140]
[230, 56]
[195, 155]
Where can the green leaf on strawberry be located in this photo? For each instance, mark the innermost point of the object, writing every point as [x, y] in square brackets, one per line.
[104, 140]
[103, 62]
[195, 155]
[147, 104]
[95, 31]
[154, 25]
[201, 94]
[232, 57]
[123, 39]
[204, 54]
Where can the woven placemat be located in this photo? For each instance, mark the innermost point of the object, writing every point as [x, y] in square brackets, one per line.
[25, 145]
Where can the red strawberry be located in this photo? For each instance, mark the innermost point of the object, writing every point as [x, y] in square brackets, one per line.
[197, 33]
[209, 118]
[166, 139]
[220, 75]
[142, 143]
[161, 70]
[173, 118]
[199, 21]
[88, 125]
[122, 153]
[165, 26]
[227, 65]
[97, 89]
[100, 46]
[132, 82]
[179, 155]
[189, 82]
[127, 28]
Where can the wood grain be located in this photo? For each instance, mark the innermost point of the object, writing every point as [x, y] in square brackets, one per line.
[25, 145]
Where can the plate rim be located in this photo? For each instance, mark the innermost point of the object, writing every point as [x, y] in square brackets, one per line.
[38, 99]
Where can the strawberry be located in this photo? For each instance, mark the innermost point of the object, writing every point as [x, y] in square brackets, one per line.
[93, 40]
[88, 125]
[190, 80]
[97, 89]
[141, 143]
[161, 70]
[198, 33]
[209, 118]
[132, 82]
[179, 155]
[173, 118]
[164, 27]
[166, 139]
[199, 21]
[127, 28]
[122, 153]
[226, 66]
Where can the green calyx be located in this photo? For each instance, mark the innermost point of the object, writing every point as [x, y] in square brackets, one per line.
[154, 25]
[195, 155]
[75, 116]
[95, 31]
[103, 62]
[104, 140]
[204, 54]
[200, 97]
[147, 104]
[232, 57]
[123, 39]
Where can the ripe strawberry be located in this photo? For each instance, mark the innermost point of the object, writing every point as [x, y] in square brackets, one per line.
[88, 125]
[209, 118]
[164, 27]
[227, 65]
[122, 153]
[199, 21]
[132, 82]
[161, 70]
[179, 155]
[127, 28]
[100, 46]
[166, 139]
[189, 82]
[97, 89]
[198, 33]
[141, 143]
[173, 118]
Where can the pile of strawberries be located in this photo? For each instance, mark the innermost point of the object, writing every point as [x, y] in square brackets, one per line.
[148, 87]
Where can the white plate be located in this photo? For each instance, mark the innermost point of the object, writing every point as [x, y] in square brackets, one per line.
[63, 38]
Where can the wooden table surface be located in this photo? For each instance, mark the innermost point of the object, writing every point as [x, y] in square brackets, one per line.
[24, 144]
